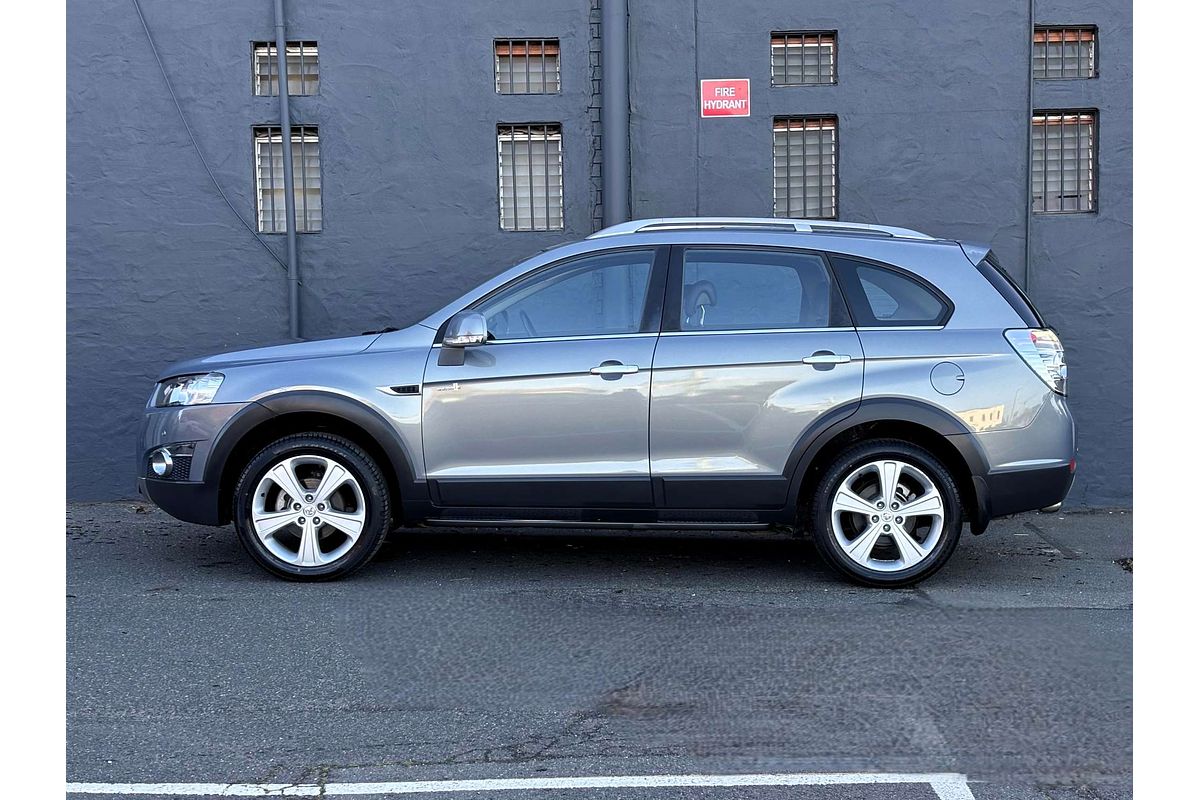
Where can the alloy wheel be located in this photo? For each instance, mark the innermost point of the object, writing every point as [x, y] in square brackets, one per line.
[308, 510]
[887, 515]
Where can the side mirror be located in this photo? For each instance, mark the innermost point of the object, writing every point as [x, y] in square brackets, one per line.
[465, 329]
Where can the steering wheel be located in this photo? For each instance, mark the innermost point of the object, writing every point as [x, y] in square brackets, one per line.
[527, 323]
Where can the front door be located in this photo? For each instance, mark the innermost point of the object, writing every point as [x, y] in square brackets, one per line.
[756, 347]
[553, 411]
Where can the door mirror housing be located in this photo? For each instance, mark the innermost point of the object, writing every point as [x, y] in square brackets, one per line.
[465, 329]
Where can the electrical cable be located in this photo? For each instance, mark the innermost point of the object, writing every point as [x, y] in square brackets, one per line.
[196, 146]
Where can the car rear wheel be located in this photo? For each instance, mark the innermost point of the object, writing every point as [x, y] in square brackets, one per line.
[311, 506]
[886, 513]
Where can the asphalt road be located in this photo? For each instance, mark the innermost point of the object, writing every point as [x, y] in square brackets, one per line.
[477, 655]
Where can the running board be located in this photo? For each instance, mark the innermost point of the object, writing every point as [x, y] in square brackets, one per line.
[676, 525]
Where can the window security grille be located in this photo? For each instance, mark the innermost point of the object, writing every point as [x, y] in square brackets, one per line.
[800, 58]
[1064, 52]
[531, 186]
[806, 167]
[302, 68]
[1064, 158]
[306, 175]
[527, 66]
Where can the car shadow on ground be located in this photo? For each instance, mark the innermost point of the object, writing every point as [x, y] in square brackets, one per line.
[581, 550]
[1031, 556]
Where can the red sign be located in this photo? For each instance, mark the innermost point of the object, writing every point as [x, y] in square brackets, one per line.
[725, 98]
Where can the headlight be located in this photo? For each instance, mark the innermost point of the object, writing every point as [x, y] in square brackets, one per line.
[188, 390]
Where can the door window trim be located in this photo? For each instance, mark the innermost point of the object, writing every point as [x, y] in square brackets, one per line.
[751, 331]
[840, 318]
[652, 308]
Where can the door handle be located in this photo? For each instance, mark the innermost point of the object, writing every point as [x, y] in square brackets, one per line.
[826, 357]
[614, 368]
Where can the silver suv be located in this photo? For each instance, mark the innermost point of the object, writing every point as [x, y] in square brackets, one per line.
[874, 386]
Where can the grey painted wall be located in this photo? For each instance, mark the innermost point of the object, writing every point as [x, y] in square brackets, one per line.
[932, 102]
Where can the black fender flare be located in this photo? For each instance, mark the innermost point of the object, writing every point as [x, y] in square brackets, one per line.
[284, 403]
[894, 409]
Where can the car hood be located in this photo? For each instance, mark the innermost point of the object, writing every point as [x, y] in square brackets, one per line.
[294, 351]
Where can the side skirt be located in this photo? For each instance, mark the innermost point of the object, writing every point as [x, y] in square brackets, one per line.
[672, 518]
[554, 523]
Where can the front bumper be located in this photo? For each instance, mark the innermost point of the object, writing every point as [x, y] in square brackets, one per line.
[188, 497]
[190, 501]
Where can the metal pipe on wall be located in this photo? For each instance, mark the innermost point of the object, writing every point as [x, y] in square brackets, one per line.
[1029, 155]
[289, 184]
[614, 111]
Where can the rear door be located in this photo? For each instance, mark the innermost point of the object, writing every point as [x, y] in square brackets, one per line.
[757, 347]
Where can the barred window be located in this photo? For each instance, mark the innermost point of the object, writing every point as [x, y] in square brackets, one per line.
[800, 58]
[1064, 52]
[806, 167]
[306, 176]
[531, 186]
[302, 68]
[527, 66]
[1064, 161]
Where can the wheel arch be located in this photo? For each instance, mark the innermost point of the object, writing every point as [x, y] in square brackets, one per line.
[287, 413]
[922, 424]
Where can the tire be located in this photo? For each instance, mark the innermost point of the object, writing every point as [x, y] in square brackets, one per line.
[904, 553]
[334, 477]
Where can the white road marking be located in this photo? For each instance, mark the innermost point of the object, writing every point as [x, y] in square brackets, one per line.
[945, 785]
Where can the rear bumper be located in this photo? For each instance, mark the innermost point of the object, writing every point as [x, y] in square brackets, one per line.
[1014, 491]
[190, 501]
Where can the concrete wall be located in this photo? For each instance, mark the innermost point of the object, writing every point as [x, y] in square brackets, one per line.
[932, 101]
[1081, 265]
[159, 267]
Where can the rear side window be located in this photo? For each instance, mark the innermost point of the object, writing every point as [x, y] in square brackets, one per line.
[1008, 289]
[887, 297]
[725, 290]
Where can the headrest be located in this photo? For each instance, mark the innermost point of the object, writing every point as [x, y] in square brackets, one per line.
[700, 293]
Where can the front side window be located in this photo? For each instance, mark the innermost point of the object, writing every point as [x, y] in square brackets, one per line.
[1064, 162]
[306, 179]
[749, 290]
[884, 297]
[592, 296]
[531, 181]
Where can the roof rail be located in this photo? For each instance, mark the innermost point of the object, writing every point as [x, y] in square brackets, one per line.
[764, 224]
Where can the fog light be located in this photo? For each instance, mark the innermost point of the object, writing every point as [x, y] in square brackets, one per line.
[161, 463]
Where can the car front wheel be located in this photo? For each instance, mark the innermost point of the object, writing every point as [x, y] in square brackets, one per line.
[311, 506]
[886, 513]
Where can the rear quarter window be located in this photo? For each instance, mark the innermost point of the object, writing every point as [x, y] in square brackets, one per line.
[1008, 289]
[884, 296]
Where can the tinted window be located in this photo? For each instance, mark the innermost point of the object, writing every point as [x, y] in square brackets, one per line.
[749, 290]
[586, 297]
[880, 296]
[1008, 289]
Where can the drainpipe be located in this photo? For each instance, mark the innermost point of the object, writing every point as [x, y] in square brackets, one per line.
[1029, 154]
[614, 110]
[289, 199]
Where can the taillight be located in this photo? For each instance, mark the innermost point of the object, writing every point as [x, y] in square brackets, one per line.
[1043, 352]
